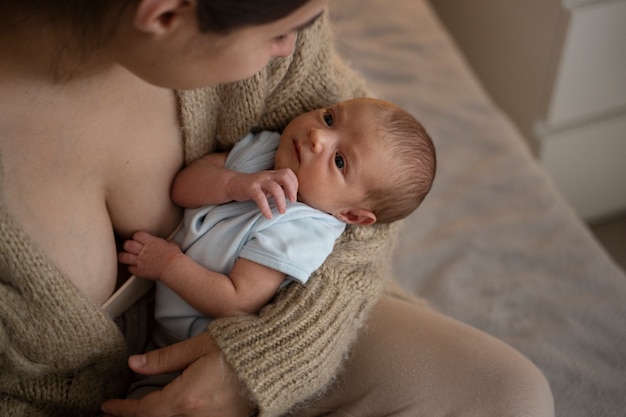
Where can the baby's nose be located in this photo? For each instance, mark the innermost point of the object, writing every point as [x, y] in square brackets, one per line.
[318, 140]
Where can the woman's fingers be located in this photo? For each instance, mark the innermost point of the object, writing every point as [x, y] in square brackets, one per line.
[174, 357]
[206, 387]
[120, 408]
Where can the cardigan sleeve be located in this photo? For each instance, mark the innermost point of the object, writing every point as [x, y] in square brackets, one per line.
[295, 346]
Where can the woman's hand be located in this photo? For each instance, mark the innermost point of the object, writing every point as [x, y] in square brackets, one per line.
[207, 386]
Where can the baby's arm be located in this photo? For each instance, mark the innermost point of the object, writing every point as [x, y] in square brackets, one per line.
[248, 287]
[206, 181]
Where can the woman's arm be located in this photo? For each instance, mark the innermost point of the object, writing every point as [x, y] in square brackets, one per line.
[324, 317]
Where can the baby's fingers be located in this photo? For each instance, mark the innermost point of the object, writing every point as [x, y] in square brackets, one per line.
[289, 183]
[132, 246]
[262, 200]
[262, 203]
[127, 258]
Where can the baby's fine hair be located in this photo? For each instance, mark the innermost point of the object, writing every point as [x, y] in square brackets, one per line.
[410, 176]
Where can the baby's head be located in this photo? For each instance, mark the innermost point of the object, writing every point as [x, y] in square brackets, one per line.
[410, 165]
[362, 160]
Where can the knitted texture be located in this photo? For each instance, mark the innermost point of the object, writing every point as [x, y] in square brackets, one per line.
[59, 355]
[293, 348]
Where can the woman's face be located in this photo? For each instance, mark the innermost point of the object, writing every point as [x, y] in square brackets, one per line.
[184, 58]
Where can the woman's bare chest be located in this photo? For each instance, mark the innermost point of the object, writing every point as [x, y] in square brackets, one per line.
[76, 182]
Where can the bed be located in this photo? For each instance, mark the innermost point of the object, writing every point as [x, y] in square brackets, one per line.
[494, 244]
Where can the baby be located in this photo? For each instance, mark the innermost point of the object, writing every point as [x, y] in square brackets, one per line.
[268, 212]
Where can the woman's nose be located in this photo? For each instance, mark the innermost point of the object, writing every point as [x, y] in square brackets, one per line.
[284, 45]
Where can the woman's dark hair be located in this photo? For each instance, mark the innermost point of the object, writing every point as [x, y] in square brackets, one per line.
[86, 17]
[223, 16]
[86, 25]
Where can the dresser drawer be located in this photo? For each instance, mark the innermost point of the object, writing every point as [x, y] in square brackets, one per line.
[591, 74]
[588, 164]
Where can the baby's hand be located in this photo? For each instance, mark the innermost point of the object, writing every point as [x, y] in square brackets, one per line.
[147, 255]
[280, 184]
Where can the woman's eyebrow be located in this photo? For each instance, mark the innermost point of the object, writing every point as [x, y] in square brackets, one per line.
[308, 22]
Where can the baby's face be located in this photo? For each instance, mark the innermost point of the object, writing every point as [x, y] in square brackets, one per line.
[335, 154]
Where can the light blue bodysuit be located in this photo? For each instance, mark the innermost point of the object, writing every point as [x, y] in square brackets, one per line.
[295, 243]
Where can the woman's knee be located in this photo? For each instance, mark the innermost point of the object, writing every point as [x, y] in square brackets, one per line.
[473, 374]
[437, 366]
[507, 384]
[412, 361]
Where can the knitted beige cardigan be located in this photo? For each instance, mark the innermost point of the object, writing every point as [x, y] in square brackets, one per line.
[60, 355]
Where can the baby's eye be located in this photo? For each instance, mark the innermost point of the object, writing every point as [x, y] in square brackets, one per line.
[328, 118]
[339, 161]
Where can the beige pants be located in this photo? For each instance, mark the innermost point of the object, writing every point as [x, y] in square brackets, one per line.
[413, 361]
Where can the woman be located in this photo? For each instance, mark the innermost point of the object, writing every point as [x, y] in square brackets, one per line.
[91, 135]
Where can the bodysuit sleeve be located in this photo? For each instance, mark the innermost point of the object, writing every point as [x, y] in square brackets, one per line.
[295, 243]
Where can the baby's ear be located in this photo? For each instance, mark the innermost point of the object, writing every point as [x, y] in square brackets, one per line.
[357, 216]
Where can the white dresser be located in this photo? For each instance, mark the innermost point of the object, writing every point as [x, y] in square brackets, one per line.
[558, 68]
